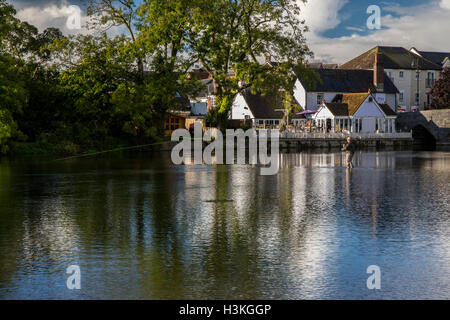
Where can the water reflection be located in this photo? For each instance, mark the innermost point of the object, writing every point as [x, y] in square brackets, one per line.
[140, 227]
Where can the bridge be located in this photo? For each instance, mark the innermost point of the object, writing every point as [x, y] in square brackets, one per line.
[430, 127]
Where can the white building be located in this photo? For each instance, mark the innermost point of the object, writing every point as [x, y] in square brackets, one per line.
[411, 73]
[356, 112]
[338, 81]
[262, 111]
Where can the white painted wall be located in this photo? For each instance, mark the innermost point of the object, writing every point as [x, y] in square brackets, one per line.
[369, 109]
[408, 84]
[199, 108]
[323, 113]
[300, 93]
[368, 125]
[240, 109]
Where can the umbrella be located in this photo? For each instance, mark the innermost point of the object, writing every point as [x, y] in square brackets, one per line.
[307, 112]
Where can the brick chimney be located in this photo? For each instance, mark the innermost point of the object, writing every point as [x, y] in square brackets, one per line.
[378, 72]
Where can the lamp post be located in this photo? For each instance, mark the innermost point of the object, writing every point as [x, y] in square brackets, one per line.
[416, 64]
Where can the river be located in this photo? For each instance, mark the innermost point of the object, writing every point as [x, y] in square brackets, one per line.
[140, 227]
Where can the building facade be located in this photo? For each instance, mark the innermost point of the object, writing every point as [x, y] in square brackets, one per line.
[339, 81]
[412, 74]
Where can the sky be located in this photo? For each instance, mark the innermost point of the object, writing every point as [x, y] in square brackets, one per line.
[338, 28]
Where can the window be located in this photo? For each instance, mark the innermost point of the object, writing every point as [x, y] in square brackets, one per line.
[247, 116]
[428, 99]
[401, 74]
[401, 96]
[430, 79]
[319, 98]
[277, 122]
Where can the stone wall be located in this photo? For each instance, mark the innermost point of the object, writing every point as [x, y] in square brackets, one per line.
[437, 122]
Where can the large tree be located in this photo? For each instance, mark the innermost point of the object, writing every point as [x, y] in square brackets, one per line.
[440, 92]
[228, 37]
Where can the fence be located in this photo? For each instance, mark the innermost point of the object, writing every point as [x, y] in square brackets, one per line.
[335, 135]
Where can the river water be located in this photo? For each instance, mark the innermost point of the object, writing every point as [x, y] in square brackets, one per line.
[139, 227]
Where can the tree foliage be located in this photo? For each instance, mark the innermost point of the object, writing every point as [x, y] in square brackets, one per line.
[95, 91]
[440, 92]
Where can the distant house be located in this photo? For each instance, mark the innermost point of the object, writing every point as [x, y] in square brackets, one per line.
[262, 111]
[355, 112]
[439, 58]
[174, 121]
[410, 72]
[320, 65]
[339, 81]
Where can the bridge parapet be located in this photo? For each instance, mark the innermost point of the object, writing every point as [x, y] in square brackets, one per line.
[436, 122]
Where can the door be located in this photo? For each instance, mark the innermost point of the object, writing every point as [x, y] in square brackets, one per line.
[328, 125]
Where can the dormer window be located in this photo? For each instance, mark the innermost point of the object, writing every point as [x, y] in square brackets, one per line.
[319, 98]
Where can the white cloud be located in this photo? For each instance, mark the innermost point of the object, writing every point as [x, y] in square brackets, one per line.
[52, 15]
[423, 27]
[321, 15]
[445, 4]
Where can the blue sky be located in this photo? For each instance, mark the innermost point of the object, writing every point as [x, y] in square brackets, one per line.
[338, 30]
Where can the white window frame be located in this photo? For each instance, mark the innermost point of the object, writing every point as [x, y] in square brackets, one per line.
[321, 95]
[401, 96]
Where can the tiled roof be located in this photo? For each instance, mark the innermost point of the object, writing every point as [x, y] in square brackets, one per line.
[344, 105]
[263, 107]
[354, 101]
[435, 57]
[348, 81]
[387, 110]
[393, 58]
[338, 109]
[266, 107]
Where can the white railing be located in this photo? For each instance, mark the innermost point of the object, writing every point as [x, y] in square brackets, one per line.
[337, 135]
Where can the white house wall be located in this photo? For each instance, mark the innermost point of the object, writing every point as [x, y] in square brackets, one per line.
[408, 85]
[324, 113]
[300, 93]
[369, 109]
[311, 100]
[240, 109]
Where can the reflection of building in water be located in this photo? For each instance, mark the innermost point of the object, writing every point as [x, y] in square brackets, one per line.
[307, 159]
[51, 230]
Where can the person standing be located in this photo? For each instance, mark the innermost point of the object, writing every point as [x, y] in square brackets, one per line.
[349, 149]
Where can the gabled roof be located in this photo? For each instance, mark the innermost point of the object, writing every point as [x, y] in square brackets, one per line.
[338, 109]
[354, 101]
[435, 57]
[348, 81]
[348, 104]
[393, 58]
[387, 110]
[263, 107]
